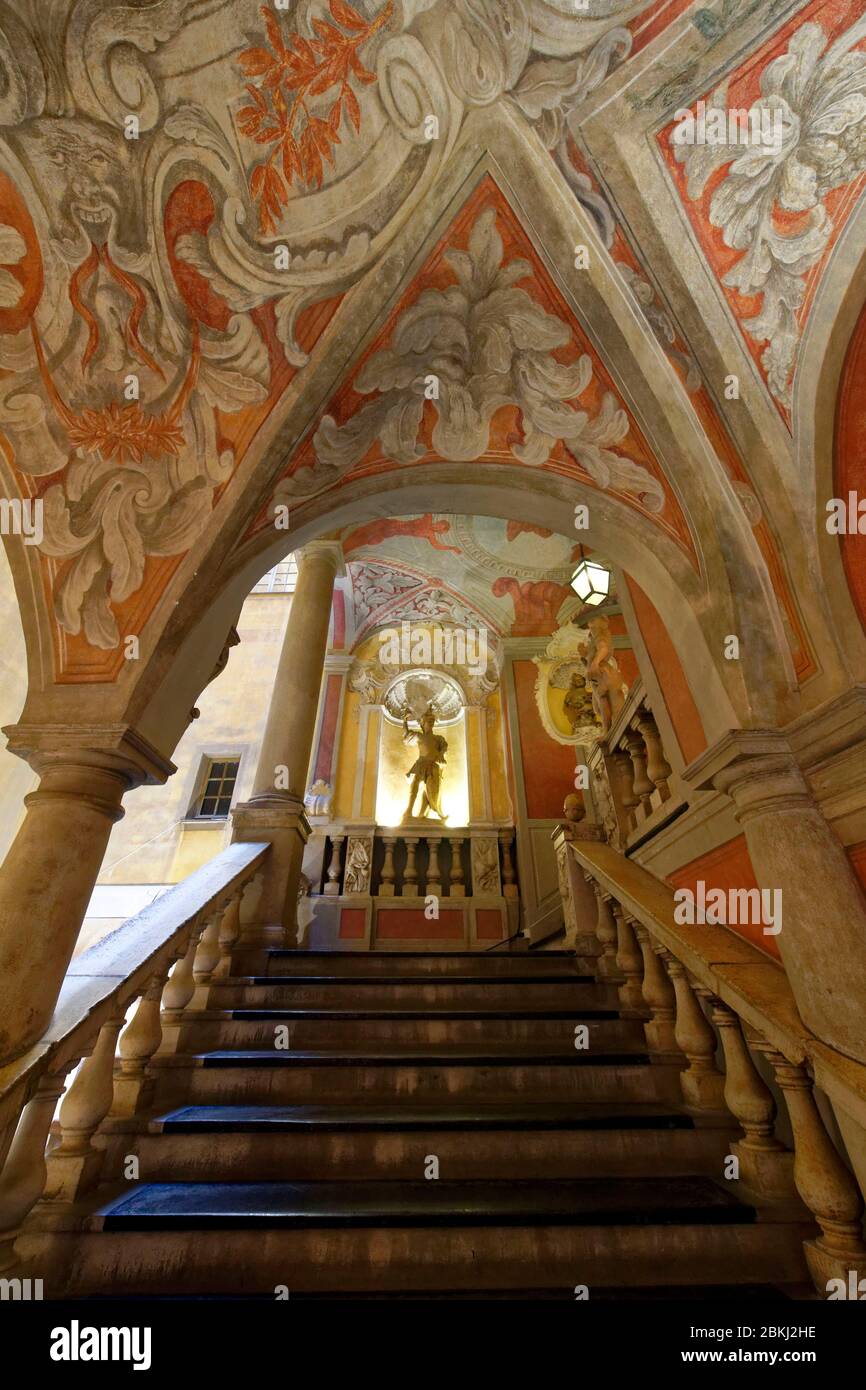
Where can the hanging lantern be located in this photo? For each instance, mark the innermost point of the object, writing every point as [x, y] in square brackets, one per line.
[591, 582]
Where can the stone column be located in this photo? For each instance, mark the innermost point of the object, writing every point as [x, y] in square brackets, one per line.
[275, 811]
[49, 873]
[792, 848]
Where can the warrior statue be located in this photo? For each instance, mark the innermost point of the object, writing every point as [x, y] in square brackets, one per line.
[425, 771]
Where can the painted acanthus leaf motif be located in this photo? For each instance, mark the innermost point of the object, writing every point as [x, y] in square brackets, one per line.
[816, 97]
[287, 73]
[488, 344]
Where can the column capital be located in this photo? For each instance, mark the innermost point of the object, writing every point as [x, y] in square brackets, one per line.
[115, 749]
[756, 768]
[331, 551]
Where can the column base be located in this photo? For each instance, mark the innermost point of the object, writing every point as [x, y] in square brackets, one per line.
[71, 1175]
[769, 1173]
[834, 1273]
[659, 1034]
[704, 1090]
[279, 819]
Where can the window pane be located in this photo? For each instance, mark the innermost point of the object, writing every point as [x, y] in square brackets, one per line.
[219, 785]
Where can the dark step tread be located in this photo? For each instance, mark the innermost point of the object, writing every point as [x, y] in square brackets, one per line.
[296, 954]
[250, 1119]
[576, 1015]
[498, 981]
[577, 1202]
[654, 1293]
[253, 1057]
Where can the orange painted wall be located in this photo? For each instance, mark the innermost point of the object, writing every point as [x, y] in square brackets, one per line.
[850, 460]
[728, 866]
[410, 924]
[671, 677]
[548, 766]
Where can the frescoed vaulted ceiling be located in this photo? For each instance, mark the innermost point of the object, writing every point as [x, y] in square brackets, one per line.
[270, 256]
[511, 576]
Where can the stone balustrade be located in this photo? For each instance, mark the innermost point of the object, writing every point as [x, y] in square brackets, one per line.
[631, 776]
[714, 1005]
[409, 862]
[120, 1004]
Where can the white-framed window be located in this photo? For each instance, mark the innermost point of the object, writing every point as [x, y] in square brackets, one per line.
[217, 785]
[280, 580]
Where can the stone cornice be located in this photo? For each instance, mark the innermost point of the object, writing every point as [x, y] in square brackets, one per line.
[834, 727]
[112, 746]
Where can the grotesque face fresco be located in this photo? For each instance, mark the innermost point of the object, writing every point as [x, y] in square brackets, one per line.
[86, 174]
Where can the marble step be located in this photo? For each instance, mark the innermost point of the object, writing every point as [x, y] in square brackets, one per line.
[387, 1237]
[262, 1143]
[493, 964]
[381, 993]
[431, 1027]
[492, 1074]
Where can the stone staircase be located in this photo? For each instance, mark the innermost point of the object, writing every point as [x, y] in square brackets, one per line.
[308, 1168]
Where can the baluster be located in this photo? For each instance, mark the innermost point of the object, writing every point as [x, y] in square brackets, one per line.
[334, 866]
[702, 1083]
[23, 1178]
[766, 1166]
[657, 767]
[74, 1165]
[410, 873]
[630, 964]
[386, 886]
[624, 774]
[509, 877]
[822, 1180]
[458, 878]
[605, 930]
[208, 953]
[181, 993]
[642, 786]
[229, 931]
[433, 885]
[138, 1042]
[180, 985]
[658, 993]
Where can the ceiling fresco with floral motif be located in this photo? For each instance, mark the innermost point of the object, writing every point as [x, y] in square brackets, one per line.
[192, 193]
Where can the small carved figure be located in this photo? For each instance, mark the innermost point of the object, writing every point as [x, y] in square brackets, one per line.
[485, 866]
[425, 771]
[573, 808]
[357, 874]
[603, 675]
[577, 703]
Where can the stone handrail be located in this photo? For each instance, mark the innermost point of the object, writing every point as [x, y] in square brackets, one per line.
[702, 987]
[159, 957]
